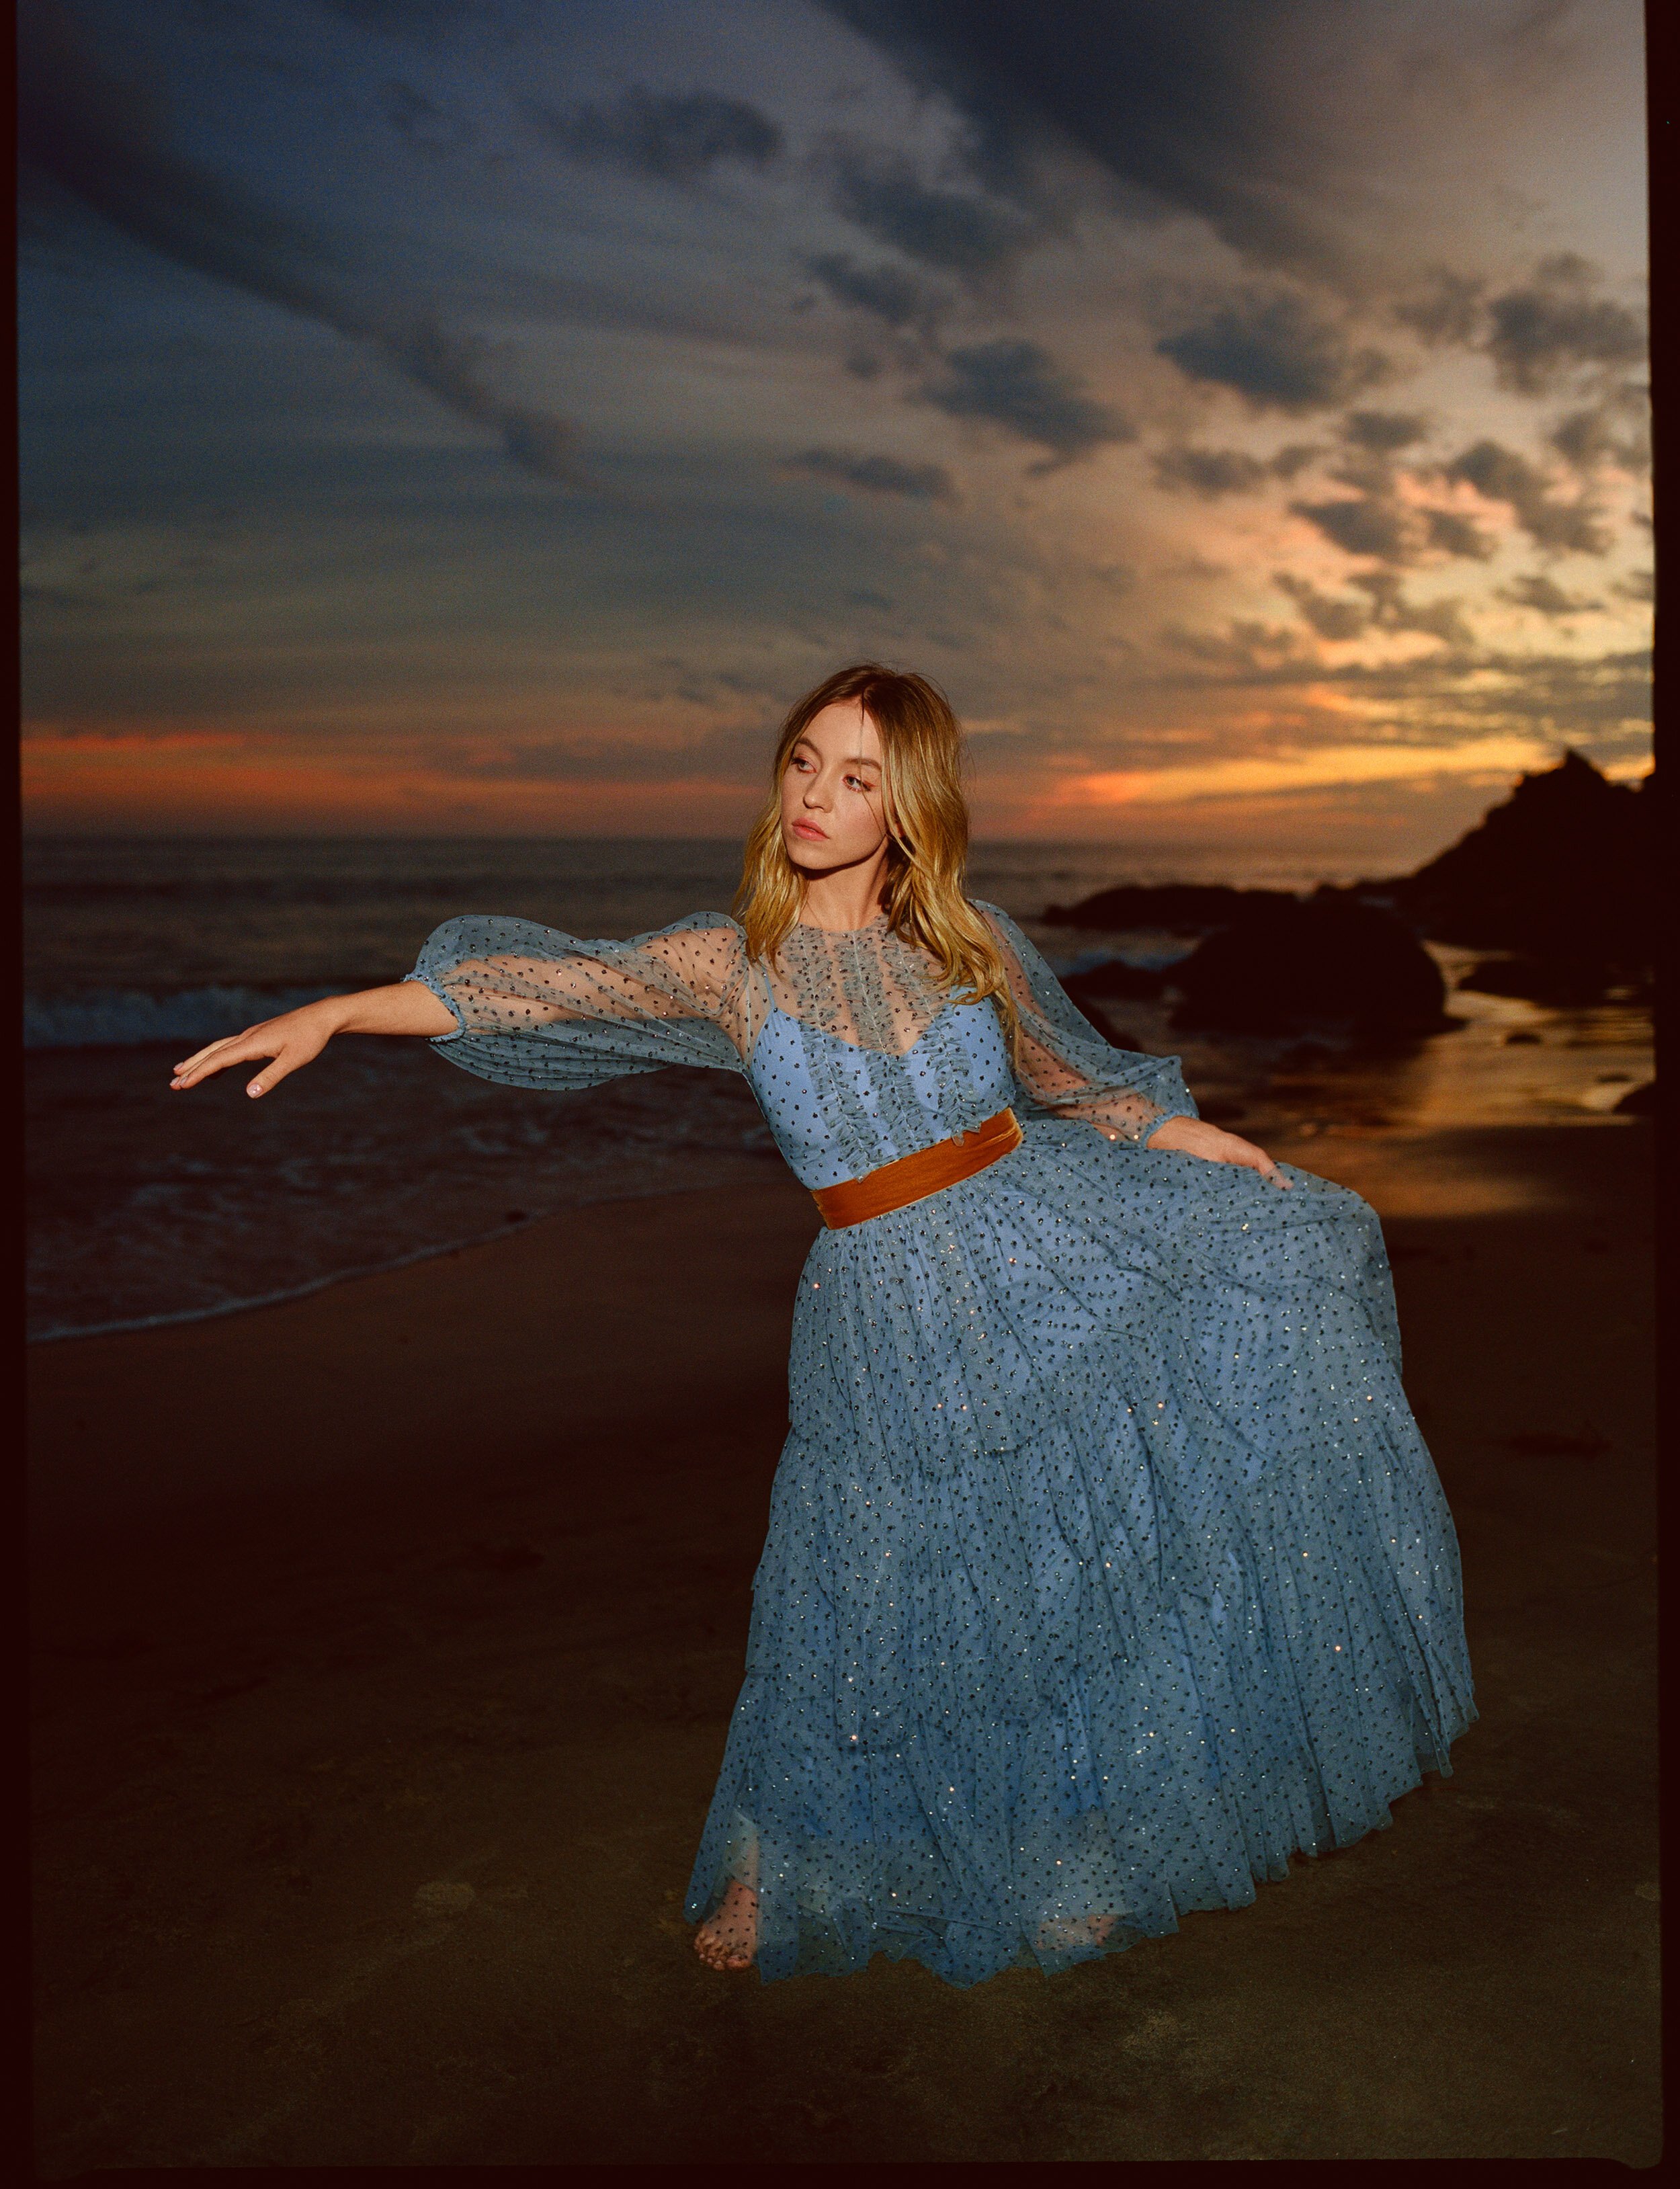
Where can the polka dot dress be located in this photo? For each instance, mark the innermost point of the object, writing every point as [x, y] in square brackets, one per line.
[1106, 1568]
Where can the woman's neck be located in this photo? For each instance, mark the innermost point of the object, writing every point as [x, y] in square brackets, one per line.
[846, 896]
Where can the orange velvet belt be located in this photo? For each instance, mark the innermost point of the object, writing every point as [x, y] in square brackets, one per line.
[913, 1178]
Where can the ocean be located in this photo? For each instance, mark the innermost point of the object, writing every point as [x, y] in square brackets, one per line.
[148, 1206]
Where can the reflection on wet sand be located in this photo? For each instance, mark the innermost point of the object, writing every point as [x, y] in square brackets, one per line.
[1506, 1061]
[1413, 1123]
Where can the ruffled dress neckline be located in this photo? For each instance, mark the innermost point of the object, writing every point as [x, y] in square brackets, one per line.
[841, 934]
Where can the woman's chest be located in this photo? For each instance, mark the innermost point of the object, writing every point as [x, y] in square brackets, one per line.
[838, 1108]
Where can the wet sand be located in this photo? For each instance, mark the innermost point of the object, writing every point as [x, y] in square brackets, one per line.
[387, 1638]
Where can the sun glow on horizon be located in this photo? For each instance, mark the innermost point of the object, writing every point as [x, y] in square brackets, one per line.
[1311, 768]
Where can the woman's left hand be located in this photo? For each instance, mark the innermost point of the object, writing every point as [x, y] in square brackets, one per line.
[1195, 1136]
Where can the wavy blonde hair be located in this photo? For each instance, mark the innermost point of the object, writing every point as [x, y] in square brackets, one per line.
[927, 824]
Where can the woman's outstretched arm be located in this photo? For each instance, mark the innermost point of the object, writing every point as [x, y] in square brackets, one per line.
[298, 1037]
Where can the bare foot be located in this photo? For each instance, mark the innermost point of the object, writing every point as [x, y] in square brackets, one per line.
[728, 1939]
[1065, 1931]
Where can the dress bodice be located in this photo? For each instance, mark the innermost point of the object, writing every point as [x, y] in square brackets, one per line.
[896, 1100]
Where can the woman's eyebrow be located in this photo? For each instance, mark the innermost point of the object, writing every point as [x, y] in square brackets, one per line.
[856, 759]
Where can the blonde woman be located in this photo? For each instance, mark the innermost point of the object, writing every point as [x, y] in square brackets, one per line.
[1106, 1568]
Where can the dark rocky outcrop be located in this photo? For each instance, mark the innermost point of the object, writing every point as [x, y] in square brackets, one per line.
[1293, 966]
[1565, 982]
[1561, 875]
[1179, 907]
[1564, 869]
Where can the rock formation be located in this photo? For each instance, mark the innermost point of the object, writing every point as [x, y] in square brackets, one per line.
[1562, 872]
[1560, 876]
[1289, 967]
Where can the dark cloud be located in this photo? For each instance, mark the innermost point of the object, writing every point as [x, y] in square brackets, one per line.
[1584, 438]
[1382, 431]
[98, 140]
[1367, 471]
[876, 474]
[1454, 535]
[1569, 696]
[888, 291]
[1330, 616]
[1212, 472]
[881, 193]
[1276, 352]
[1447, 309]
[1541, 592]
[1367, 525]
[1021, 387]
[1209, 473]
[1390, 610]
[1166, 98]
[1615, 431]
[672, 137]
[1541, 333]
[1294, 459]
[421, 120]
[1637, 585]
[412, 15]
[451, 366]
[1253, 651]
[1276, 655]
[1556, 694]
[1381, 524]
[1501, 474]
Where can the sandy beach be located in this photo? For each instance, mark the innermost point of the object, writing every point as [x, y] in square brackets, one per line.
[387, 1637]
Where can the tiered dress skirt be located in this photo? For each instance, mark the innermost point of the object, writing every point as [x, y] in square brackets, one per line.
[1106, 1568]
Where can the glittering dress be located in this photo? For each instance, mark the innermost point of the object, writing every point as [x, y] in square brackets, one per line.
[1106, 1566]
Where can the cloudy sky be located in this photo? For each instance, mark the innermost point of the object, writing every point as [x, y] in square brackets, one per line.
[482, 415]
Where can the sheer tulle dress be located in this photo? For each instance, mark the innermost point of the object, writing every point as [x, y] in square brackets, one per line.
[1106, 1568]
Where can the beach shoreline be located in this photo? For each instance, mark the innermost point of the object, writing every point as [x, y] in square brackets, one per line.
[387, 1637]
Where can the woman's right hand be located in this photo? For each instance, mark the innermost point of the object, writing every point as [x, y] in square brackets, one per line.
[298, 1037]
[1195, 1136]
[293, 1039]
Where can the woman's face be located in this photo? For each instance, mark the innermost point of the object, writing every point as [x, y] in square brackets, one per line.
[832, 810]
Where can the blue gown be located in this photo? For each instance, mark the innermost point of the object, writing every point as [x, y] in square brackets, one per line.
[1106, 1568]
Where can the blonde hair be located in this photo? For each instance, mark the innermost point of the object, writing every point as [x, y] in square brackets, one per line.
[928, 835]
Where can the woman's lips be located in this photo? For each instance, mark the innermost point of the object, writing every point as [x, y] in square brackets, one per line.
[810, 829]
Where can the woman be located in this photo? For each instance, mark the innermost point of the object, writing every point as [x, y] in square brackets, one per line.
[1106, 1566]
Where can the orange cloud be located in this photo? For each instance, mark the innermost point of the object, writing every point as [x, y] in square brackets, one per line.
[196, 781]
[1311, 768]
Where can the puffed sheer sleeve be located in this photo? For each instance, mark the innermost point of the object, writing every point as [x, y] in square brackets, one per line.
[1065, 1065]
[535, 1008]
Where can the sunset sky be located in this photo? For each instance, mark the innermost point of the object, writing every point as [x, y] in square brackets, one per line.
[484, 416]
